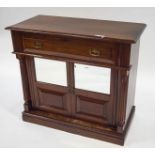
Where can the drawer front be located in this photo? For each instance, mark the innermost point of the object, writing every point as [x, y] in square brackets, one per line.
[77, 47]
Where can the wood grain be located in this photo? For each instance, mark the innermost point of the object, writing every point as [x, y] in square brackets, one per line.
[98, 115]
[78, 27]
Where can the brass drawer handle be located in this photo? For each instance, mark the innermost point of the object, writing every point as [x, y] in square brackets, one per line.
[94, 52]
[38, 44]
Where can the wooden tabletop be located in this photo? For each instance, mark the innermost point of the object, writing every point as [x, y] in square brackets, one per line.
[80, 27]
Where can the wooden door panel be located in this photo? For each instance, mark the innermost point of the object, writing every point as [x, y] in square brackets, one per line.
[90, 109]
[87, 106]
[91, 106]
[52, 98]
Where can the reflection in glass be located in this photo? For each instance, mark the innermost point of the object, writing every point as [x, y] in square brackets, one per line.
[51, 71]
[92, 78]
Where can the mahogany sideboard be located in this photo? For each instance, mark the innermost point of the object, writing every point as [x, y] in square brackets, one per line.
[63, 62]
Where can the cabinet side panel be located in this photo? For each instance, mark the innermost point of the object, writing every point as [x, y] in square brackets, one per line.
[132, 77]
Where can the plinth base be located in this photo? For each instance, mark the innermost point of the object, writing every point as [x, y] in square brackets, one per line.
[106, 133]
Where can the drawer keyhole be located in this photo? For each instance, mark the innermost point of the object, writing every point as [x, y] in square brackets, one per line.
[94, 52]
[38, 44]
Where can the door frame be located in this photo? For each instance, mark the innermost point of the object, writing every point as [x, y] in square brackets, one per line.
[70, 90]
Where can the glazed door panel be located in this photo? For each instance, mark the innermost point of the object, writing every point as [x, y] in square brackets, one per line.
[51, 71]
[92, 78]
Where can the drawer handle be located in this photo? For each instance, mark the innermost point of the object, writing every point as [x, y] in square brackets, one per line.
[94, 52]
[38, 44]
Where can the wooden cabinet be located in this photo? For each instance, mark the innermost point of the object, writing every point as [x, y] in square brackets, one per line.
[78, 75]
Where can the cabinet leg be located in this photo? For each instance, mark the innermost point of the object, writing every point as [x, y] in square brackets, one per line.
[119, 129]
[27, 106]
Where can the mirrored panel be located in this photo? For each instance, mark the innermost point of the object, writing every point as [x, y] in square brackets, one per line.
[92, 78]
[51, 71]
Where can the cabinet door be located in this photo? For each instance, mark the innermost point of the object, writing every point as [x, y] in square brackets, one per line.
[50, 85]
[93, 93]
[85, 92]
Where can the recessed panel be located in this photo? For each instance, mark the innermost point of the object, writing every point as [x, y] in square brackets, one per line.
[51, 71]
[92, 78]
[51, 99]
[91, 107]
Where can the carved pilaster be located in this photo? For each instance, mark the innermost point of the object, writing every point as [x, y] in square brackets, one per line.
[24, 75]
[122, 99]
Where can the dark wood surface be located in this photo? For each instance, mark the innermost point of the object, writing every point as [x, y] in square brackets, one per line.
[97, 115]
[83, 128]
[87, 28]
[66, 46]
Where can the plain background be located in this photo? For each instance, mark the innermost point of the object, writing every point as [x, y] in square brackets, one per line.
[16, 133]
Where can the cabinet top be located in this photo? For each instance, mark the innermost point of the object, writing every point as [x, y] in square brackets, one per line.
[85, 28]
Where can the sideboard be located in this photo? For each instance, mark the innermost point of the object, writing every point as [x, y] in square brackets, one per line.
[78, 75]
